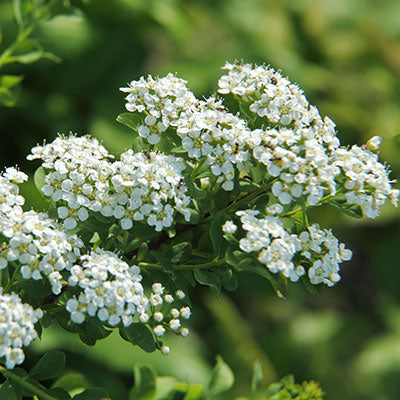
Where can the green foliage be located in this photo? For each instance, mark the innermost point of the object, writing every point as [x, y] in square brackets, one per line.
[25, 50]
[287, 389]
[323, 48]
[140, 335]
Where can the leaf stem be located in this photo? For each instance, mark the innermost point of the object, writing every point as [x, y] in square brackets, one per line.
[23, 382]
[210, 264]
[12, 280]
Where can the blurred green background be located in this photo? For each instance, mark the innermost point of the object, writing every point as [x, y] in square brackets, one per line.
[345, 54]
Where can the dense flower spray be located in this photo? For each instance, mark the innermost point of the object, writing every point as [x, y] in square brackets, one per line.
[210, 188]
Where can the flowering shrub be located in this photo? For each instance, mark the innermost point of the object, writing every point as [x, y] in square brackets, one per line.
[210, 188]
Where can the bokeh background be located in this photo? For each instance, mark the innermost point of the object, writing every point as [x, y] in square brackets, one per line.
[345, 54]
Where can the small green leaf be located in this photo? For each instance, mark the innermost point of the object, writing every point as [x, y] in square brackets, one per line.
[352, 210]
[217, 235]
[259, 172]
[145, 383]
[131, 120]
[165, 387]
[33, 56]
[40, 178]
[222, 199]
[70, 382]
[221, 379]
[9, 81]
[257, 376]
[179, 252]
[194, 392]
[8, 392]
[229, 279]
[139, 335]
[208, 278]
[144, 232]
[261, 202]
[278, 281]
[49, 366]
[7, 97]
[92, 394]
[313, 289]
[192, 188]
[17, 7]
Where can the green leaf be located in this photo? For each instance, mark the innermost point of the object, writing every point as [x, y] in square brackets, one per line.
[7, 97]
[228, 278]
[144, 232]
[217, 235]
[70, 382]
[352, 210]
[221, 379]
[8, 391]
[139, 335]
[165, 387]
[40, 178]
[9, 81]
[188, 276]
[33, 56]
[180, 252]
[194, 392]
[57, 393]
[163, 260]
[192, 188]
[259, 172]
[278, 281]
[92, 394]
[261, 202]
[194, 216]
[257, 376]
[222, 199]
[208, 278]
[49, 366]
[94, 328]
[145, 383]
[17, 7]
[313, 289]
[131, 120]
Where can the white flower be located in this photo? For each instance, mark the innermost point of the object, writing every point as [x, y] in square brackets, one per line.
[229, 227]
[185, 312]
[174, 324]
[159, 330]
[17, 328]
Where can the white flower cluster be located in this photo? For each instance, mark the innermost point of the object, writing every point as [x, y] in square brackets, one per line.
[17, 329]
[323, 250]
[274, 98]
[206, 129]
[288, 253]
[162, 99]
[164, 315]
[367, 180]
[33, 240]
[300, 149]
[298, 160]
[10, 199]
[275, 246]
[78, 174]
[210, 131]
[112, 292]
[148, 186]
[141, 186]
